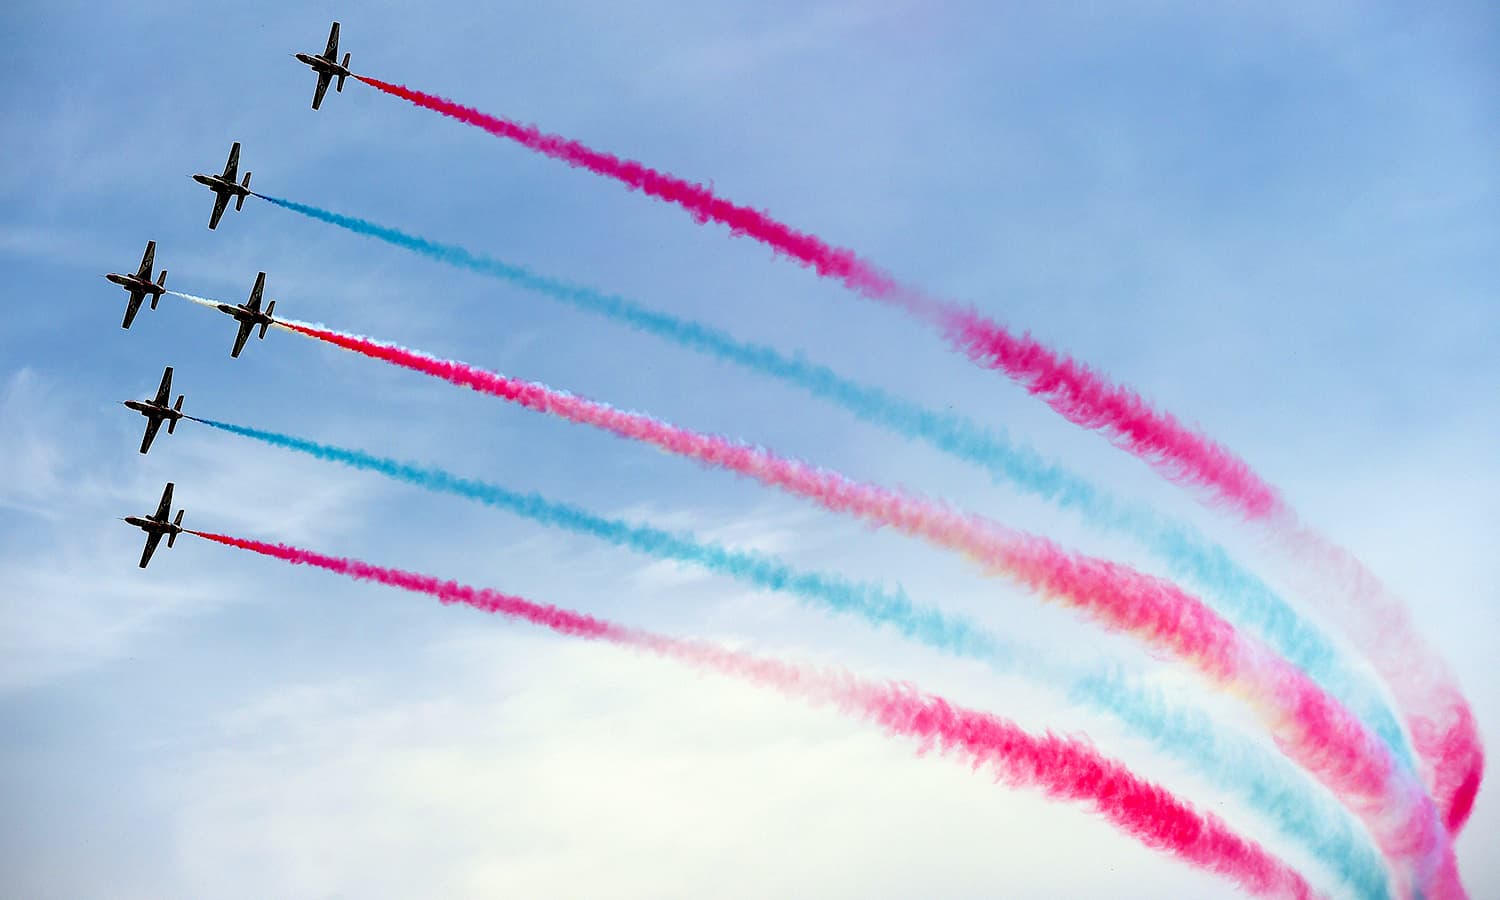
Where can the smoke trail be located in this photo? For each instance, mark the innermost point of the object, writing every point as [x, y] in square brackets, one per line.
[1063, 768]
[1080, 394]
[1450, 741]
[1247, 600]
[1446, 735]
[1309, 725]
[201, 301]
[1260, 779]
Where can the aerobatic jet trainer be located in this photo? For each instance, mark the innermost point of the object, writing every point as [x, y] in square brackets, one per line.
[157, 525]
[156, 411]
[140, 284]
[224, 186]
[327, 66]
[249, 315]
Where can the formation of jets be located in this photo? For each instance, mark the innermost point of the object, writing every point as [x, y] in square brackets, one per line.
[249, 315]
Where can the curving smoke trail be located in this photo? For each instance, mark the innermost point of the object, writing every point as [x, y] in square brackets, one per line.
[1261, 779]
[1079, 393]
[1446, 735]
[1063, 768]
[1244, 598]
[1309, 725]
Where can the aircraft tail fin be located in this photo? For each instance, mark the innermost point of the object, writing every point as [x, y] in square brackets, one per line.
[172, 424]
[161, 283]
[270, 311]
[347, 57]
[176, 523]
[239, 202]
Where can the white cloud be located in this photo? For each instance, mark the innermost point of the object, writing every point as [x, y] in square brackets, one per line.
[521, 766]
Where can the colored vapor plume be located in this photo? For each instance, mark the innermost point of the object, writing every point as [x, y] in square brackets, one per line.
[1240, 595]
[1063, 768]
[1442, 721]
[1254, 774]
[1308, 725]
[1082, 395]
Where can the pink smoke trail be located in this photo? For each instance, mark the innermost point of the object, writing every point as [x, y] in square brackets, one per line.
[1082, 395]
[1310, 726]
[1063, 768]
[1444, 734]
[1431, 701]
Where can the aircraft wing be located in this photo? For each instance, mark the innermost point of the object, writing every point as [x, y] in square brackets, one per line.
[152, 540]
[322, 88]
[221, 200]
[232, 168]
[147, 260]
[152, 424]
[132, 307]
[165, 508]
[253, 304]
[164, 393]
[332, 53]
[239, 339]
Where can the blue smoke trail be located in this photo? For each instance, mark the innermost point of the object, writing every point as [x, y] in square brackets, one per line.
[1242, 597]
[1262, 779]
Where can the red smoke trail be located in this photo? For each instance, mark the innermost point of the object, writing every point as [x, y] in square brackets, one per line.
[1435, 709]
[1444, 733]
[1082, 395]
[1430, 699]
[1309, 725]
[1063, 768]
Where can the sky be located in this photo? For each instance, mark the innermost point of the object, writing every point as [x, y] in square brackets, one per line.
[1278, 220]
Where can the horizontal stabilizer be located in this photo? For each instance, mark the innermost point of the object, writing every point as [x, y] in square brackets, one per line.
[162, 280]
[239, 201]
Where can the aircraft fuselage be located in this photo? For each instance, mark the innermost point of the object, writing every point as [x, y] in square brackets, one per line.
[244, 315]
[219, 183]
[134, 283]
[153, 526]
[323, 65]
[151, 410]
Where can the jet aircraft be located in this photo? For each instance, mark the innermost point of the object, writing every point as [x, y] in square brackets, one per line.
[157, 525]
[249, 315]
[224, 186]
[140, 284]
[327, 66]
[156, 411]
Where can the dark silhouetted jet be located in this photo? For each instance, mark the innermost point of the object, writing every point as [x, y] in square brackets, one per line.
[327, 66]
[140, 284]
[249, 315]
[224, 186]
[157, 525]
[156, 411]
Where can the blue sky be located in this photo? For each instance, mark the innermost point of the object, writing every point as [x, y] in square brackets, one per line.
[1278, 220]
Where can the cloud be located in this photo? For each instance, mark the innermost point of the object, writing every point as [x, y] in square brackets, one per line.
[622, 778]
[74, 597]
